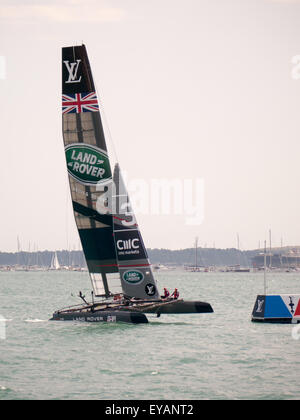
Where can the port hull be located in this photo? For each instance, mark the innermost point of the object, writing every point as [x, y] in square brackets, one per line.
[101, 316]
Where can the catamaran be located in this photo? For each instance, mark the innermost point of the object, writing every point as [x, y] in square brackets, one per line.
[124, 288]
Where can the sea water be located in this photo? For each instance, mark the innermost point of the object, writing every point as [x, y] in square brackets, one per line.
[221, 355]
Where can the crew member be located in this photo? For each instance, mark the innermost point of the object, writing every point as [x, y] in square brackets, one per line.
[175, 294]
[166, 293]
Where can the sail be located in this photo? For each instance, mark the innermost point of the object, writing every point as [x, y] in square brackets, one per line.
[54, 262]
[88, 165]
[110, 238]
[134, 266]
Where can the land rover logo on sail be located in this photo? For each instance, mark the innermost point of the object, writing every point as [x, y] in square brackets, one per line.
[87, 164]
[133, 276]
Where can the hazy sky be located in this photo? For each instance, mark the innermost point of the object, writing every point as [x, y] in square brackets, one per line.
[192, 89]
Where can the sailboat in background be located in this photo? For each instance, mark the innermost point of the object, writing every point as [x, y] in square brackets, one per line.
[112, 243]
[281, 309]
[195, 268]
[54, 262]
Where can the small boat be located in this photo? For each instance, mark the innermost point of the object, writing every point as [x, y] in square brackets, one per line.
[237, 269]
[54, 262]
[121, 274]
[281, 309]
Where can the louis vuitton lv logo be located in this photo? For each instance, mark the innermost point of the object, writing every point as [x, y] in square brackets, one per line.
[72, 69]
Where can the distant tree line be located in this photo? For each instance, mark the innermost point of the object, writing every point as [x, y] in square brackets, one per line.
[204, 257]
[43, 258]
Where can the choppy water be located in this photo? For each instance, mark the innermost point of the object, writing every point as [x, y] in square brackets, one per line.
[200, 356]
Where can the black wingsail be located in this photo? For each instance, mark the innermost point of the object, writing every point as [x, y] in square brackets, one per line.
[111, 243]
[88, 165]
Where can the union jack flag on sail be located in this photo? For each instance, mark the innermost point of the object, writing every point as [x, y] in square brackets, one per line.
[79, 102]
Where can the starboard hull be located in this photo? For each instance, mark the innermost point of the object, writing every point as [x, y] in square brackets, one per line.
[179, 307]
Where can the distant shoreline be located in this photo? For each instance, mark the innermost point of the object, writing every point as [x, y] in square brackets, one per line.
[183, 257]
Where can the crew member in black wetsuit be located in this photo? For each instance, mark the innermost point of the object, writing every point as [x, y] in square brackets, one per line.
[175, 294]
[166, 293]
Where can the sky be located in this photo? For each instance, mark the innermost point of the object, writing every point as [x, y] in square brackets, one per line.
[204, 92]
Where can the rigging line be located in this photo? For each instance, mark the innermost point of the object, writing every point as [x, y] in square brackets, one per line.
[67, 219]
[105, 120]
[108, 130]
[102, 113]
[89, 71]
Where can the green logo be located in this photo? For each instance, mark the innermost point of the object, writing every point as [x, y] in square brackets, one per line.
[133, 276]
[87, 164]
